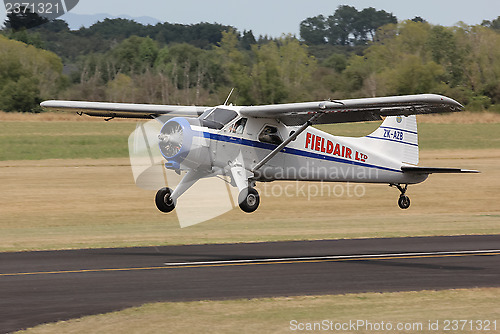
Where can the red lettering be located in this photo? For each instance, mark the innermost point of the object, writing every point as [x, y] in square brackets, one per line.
[337, 150]
[343, 151]
[348, 152]
[308, 139]
[317, 143]
[329, 147]
[361, 156]
[323, 145]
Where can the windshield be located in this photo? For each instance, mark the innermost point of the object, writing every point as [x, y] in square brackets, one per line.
[217, 118]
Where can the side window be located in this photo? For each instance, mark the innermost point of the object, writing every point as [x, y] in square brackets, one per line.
[239, 126]
[270, 135]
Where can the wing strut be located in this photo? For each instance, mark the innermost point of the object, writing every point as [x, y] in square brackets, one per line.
[286, 142]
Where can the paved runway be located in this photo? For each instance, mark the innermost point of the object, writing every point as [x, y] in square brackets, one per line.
[39, 287]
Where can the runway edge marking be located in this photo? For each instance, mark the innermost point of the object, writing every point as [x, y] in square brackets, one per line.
[327, 258]
[290, 260]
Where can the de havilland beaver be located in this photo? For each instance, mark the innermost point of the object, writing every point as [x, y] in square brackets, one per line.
[276, 142]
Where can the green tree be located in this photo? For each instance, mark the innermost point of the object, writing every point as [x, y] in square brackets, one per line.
[397, 63]
[237, 67]
[120, 89]
[443, 49]
[247, 40]
[24, 19]
[134, 54]
[21, 95]
[117, 29]
[296, 67]
[313, 30]
[341, 25]
[481, 64]
[28, 38]
[336, 61]
[266, 73]
[190, 69]
[369, 20]
[412, 76]
[27, 75]
[494, 24]
[346, 26]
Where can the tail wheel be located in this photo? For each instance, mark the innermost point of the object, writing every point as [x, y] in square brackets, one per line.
[249, 200]
[404, 202]
[163, 201]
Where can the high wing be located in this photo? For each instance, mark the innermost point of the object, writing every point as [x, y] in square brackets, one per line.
[340, 111]
[354, 110]
[124, 110]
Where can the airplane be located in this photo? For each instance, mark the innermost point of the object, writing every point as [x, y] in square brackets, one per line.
[265, 143]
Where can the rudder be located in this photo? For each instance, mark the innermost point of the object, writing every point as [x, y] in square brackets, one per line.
[397, 138]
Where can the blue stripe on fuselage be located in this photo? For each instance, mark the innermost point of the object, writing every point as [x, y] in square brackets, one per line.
[393, 140]
[404, 130]
[292, 151]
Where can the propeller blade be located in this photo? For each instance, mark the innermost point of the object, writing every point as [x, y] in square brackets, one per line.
[145, 157]
[206, 199]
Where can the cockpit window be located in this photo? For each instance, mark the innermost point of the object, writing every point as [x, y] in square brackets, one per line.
[270, 135]
[217, 118]
[239, 126]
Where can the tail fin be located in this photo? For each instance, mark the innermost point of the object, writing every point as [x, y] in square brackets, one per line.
[397, 137]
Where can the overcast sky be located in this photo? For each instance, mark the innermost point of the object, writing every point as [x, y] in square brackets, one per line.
[274, 17]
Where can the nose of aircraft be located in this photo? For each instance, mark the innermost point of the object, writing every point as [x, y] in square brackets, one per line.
[171, 139]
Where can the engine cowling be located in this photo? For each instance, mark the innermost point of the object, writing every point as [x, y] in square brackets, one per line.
[182, 145]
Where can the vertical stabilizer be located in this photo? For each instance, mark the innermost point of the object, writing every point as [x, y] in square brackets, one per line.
[397, 138]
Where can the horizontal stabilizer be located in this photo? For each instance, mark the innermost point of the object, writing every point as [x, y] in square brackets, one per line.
[432, 170]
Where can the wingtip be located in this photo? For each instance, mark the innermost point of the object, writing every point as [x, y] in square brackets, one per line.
[469, 171]
[446, 100]
[48, 103]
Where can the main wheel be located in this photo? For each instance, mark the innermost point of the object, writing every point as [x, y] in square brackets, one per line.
[249, 200]
[404, 202]
[163, 201]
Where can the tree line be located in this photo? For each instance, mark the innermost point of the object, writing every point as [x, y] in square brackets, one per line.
[348, 54]
[346, 26]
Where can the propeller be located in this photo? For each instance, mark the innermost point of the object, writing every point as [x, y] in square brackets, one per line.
[151, 145]
[170, 139]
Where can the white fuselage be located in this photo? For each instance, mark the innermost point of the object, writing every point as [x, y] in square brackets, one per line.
[313, 156]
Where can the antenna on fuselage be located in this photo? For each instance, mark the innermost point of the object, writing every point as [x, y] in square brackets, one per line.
[227, 100]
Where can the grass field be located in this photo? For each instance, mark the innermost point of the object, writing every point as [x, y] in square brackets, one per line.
[63, 140]
[78, 200]
[416, 310]
[68, 184]
[54, 204]
[71, 139]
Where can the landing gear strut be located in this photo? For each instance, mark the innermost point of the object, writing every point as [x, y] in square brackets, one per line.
[403, 201]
